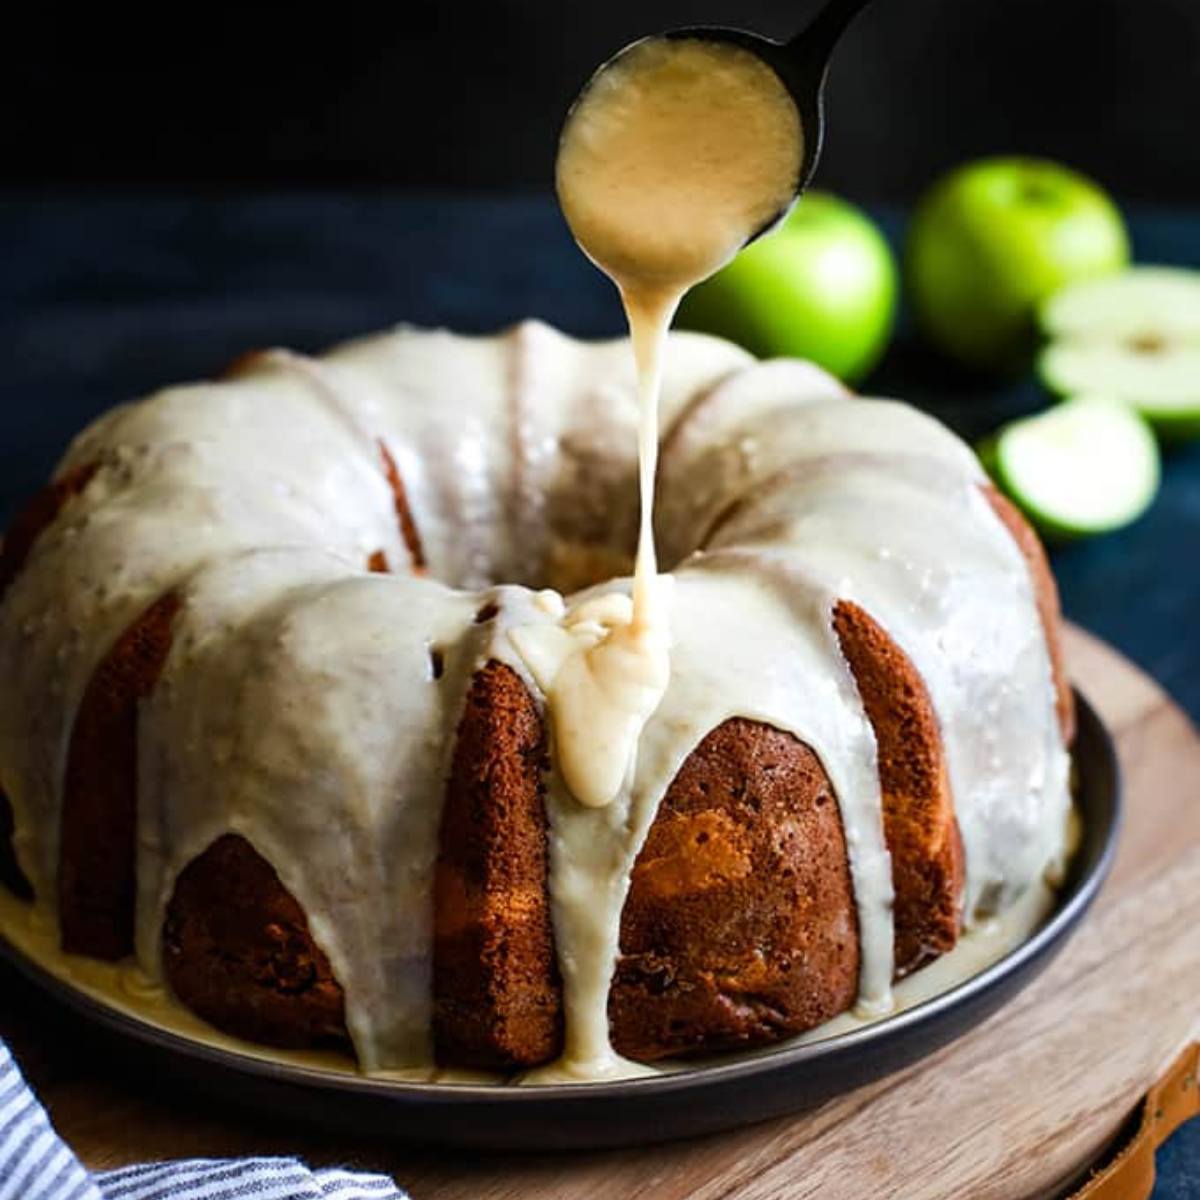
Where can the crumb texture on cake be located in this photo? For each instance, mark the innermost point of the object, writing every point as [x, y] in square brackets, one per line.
[267, 728]
[238, 952]
[739, 927]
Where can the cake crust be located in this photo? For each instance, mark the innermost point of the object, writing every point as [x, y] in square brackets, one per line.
[38, 515]
[404, 513]
[497, 997]
[238, 952]
[928, 869]
[740, 926]
[97, 870]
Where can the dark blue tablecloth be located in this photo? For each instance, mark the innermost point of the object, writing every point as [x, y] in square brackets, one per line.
[104, 299]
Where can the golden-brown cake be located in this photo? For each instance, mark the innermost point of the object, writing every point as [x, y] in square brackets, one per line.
[237, 949]
[269, 729]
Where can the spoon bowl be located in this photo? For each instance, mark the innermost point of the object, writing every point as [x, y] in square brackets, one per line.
[801, 63]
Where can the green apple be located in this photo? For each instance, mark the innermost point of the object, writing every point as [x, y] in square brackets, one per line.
[820, 286]
[1085, 466]
[1135, 335]
[991, 240]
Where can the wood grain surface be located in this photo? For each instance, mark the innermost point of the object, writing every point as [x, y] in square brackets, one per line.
[1013, 1109]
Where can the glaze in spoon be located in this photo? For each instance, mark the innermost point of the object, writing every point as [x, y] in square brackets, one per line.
[801, 63]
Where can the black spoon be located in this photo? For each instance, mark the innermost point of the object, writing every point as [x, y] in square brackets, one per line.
[802, 63]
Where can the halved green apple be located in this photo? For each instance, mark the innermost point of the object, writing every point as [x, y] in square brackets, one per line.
[1088, 465]
[1134, 336]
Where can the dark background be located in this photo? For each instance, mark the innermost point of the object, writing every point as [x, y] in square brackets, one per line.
[471, 95]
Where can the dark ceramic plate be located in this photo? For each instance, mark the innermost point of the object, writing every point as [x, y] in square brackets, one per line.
[736, 1090]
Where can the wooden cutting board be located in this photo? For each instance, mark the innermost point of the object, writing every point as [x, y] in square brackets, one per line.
[1013, 1109]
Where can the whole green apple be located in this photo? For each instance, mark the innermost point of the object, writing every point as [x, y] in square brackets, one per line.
[821, 286]
[991, 240]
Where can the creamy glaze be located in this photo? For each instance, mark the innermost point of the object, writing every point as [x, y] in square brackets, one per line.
[298, 696]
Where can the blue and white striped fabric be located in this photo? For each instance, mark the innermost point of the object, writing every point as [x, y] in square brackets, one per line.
[36, 1164]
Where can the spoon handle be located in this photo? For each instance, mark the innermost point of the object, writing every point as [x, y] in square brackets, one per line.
[814, 44]
[802, 63]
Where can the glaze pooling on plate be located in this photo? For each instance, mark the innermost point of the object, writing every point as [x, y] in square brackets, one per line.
[124, 988]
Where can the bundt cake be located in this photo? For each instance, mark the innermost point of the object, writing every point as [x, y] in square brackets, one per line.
[266, 724]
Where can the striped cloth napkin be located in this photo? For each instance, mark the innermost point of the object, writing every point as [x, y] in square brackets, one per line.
[36, 1164]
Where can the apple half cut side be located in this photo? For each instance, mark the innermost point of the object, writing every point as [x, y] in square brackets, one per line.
[1088, 465]
[1134, 336]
